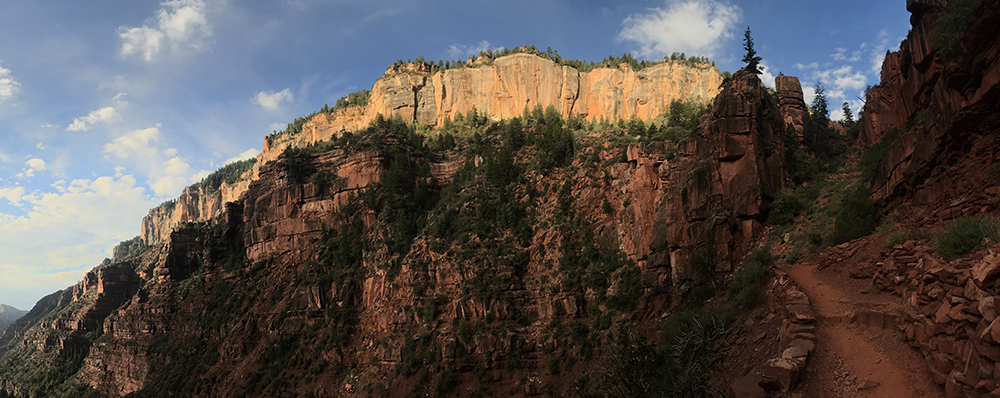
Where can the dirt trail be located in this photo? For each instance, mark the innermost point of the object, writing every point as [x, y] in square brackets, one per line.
[853, 360]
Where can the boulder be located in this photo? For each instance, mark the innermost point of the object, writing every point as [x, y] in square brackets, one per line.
[748, 386]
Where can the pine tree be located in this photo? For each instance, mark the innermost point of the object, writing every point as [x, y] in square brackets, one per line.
[751, 58]
[819, 105]
[848, 116]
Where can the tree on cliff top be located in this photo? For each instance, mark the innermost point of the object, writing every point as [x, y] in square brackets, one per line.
[751, 58]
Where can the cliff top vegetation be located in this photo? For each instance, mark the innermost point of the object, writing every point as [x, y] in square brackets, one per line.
[488, 56]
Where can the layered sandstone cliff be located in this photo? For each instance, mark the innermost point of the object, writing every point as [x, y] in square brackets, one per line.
[943, 109]
[500, 89]
[194, 205]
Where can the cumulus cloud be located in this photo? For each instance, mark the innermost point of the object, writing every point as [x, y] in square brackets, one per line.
[8, 86]
[688, 26]
[765, 75]
[167, 172]
[175, 167]
[840, 54]
[137, 144]
[247, 154]
[12, 194]
[879, 50]
[103, 115]
[169, 185]
[841, 79]
[63, 233]
[811, 65]
[179, 25]
[271, 101]
[808, 94]
[32, 166]
[460, 51]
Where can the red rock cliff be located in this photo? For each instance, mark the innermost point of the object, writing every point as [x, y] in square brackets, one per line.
[944, 109]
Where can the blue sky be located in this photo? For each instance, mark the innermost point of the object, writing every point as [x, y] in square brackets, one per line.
[108, 108]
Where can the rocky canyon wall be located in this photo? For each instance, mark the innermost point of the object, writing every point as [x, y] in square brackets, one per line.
[500, 88]
[941, 107]
[224, 296]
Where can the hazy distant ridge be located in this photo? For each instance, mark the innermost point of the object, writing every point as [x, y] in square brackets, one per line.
[8, 315]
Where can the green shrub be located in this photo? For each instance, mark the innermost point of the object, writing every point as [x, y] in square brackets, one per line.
[553, 365]
[876, 155]
[786, 206]
[445, 382]
[896, 239]
[746, 289]
[856, 218]
[795, 254]
[964, 234]
[297, 163]
[229, 174]
[950, 26]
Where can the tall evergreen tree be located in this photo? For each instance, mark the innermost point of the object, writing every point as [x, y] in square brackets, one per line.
[848, 116]
[819, 105]
[751, 58]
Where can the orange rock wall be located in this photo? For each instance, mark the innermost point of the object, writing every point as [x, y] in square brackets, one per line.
[504, 88]
[194, 205]
[501, 89]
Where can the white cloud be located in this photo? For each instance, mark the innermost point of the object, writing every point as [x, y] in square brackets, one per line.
[60, 235]
[48, 126]
[765, 75]
[175, 167]
[179, 24]
[878, 51]
[167, 173]
[200, 176]
[136, 144]
[271, 101]
[840, 79]
[13, 195]
[8, 86]
[34, 165]
[854, 81]
[688, 26]
[460, 51]
[247, 154]
[808, 94]
[142, 40]
[169, 186]
[839, 54]
[811, 65]
[119, 99]
[103, 115]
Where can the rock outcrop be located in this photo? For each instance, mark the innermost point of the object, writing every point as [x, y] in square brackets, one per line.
[943, 109]
[792, 103]
[718, 193]
[194, 205]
